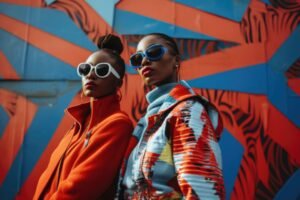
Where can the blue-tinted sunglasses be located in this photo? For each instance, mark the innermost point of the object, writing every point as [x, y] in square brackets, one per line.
[153, 53]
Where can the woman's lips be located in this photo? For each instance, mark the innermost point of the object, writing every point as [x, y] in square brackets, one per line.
[90, 84]
[146, 71]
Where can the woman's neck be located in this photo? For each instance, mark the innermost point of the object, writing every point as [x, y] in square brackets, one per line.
[159, 91]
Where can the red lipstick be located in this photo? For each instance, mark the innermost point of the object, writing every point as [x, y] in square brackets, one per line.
[90, 84]
[146, 71]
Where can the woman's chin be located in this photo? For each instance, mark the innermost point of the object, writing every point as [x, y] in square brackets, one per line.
[149, 81]
[89, 94]
[152, 83]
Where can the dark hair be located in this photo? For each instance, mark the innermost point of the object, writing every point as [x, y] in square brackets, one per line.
[112, 45]
[170, 41]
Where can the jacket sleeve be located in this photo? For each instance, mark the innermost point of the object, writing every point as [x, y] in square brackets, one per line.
[196, 154]
[97, 166]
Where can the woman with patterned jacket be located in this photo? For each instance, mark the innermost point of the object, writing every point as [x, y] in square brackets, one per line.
[174, 152]
[86, 163]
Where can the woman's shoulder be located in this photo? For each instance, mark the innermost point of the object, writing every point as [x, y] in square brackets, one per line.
[193, 104]
[118, 122]
[119, 117]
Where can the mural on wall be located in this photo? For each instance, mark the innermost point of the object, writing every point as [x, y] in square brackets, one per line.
[244, 56]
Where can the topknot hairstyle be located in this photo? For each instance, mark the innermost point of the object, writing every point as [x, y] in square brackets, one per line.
[113, 46]
[111, 42]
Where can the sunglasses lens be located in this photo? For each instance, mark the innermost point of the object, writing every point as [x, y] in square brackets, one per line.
[102, 70]
[155, 52]
[136, 59]
[84, 69]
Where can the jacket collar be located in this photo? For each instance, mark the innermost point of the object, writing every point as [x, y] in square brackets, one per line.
[180, 91]
[98, 108]
[183, 91]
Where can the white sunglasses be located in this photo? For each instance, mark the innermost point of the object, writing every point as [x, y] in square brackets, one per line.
[102, 70]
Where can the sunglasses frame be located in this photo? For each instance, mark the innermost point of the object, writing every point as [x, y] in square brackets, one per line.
[144, 54]
[93, 67]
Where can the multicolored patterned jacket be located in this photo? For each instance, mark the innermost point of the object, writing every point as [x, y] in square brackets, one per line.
[177, 156]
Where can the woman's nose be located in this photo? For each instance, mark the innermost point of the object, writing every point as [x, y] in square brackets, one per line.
[91, 74]
[145, 61]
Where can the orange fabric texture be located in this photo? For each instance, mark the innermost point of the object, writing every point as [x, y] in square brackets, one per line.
[86, 162]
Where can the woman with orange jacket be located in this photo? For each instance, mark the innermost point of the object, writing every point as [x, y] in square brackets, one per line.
[85, 163]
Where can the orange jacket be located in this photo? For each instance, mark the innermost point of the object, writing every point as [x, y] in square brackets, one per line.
[86, 162]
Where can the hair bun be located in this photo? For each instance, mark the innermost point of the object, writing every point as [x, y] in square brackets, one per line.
[111, 42]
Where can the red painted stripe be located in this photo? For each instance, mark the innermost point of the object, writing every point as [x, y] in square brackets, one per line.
[55, 46]
[262, 164]
[284, 133]
[222, 61]
[33, 3]
[276, 125]
[7, 71]
[185, 17]
[21, 112]
[294, 84]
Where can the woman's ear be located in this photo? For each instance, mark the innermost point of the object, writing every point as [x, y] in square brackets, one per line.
[177, 61]
[178, 58]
